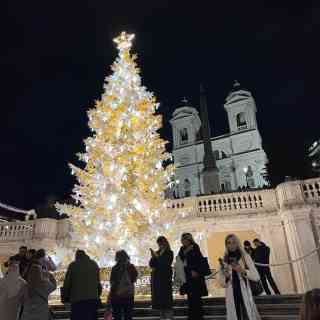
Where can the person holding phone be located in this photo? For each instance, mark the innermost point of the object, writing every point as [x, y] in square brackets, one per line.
[236, 270]
[161, 278]
[195, 286]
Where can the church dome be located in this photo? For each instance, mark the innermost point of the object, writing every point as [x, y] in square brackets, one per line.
[238, 93]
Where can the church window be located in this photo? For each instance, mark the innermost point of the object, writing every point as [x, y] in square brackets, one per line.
[184, 136]
[187, 188]
[241, 121]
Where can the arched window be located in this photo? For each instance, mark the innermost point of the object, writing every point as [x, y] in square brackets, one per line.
[187, 188]
[241, 121]
[184, 136]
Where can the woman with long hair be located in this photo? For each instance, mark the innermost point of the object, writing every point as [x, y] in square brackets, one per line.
[11, 292]
[195, 286]
[161, 278]
[40, 284]
[122, 280]
[237, 270]
[310, 309]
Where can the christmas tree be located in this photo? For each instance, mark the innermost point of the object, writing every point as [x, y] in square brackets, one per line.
[120, 189]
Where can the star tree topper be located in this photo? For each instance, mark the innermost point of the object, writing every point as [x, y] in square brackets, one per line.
[124, 41]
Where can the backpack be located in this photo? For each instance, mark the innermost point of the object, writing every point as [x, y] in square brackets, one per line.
[125, 288]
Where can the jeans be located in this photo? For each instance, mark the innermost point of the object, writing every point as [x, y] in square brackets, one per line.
[122, 311]
[265, 274]
[84, 310]
[195, 306]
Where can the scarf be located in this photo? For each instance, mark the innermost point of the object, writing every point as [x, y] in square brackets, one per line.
[233, 256]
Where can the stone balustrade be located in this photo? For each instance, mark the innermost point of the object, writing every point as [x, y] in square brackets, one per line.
[17, 231]
[251, 201]
[226, 203]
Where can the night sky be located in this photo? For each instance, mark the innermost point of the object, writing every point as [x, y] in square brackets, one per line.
[55, 55]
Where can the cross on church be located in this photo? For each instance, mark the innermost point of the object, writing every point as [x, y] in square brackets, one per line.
[185, 100]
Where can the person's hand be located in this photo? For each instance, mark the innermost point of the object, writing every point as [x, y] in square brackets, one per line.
[226, 274]
[194, 274]
[237, 268]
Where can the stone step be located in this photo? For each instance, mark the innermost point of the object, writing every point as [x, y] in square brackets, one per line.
[207, 318]
[284, 299]
[270, 308]
[281, 309]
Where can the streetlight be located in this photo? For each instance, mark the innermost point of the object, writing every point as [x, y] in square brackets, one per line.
[314, 156]
[246, 170]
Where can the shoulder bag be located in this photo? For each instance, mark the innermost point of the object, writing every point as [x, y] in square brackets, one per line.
[255, 286]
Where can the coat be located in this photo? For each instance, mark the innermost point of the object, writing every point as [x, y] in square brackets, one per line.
[193, 260]
[161, 280]
[115, 278]
[11, 292]
[82, 280]
[252, 274]
[262, 254]
[35, 306]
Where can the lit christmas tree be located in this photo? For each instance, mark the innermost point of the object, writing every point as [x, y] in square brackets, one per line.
[120, 190]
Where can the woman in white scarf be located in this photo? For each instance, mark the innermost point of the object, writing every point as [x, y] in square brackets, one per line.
[237, 268]
[11, 292]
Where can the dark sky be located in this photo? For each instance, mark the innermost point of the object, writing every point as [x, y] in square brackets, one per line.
[55, 54]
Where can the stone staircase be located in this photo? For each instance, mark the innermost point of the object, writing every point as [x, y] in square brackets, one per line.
[270, 308]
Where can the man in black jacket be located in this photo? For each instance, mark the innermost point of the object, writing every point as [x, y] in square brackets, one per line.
[82, 287]
[262, 255]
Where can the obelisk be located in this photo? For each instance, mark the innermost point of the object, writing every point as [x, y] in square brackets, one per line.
[210, 173]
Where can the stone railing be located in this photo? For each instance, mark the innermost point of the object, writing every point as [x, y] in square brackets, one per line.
[237, 202]
[17, 231]
[36, 234]
[227, 203]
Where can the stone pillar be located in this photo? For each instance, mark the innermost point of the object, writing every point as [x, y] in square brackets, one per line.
[64, 228]
[45, 229]
[301, 241]
[296, 216]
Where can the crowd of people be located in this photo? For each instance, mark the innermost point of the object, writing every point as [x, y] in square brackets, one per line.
[29, 280]
[26, 286]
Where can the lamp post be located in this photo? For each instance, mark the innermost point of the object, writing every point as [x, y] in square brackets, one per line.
[314, 156]
[245, 170]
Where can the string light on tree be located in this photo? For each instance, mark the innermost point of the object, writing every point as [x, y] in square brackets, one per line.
[120, 189]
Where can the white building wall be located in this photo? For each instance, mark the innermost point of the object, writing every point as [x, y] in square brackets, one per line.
[239, 149]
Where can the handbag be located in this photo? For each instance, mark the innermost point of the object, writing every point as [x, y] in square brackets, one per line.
[64, 297]
[255, 286]
[205, 267]
[107, 315]
[125, 287]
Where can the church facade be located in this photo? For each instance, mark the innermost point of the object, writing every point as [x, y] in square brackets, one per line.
[239, 154]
